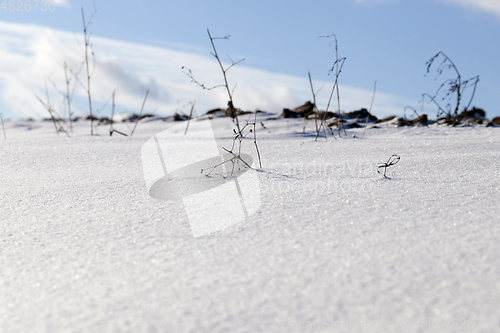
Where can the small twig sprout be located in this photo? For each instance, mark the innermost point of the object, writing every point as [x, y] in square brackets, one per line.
[394, 159]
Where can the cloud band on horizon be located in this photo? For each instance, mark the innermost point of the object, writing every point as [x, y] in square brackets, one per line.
[32, 53]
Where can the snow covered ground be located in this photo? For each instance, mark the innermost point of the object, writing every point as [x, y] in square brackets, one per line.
[333, 247]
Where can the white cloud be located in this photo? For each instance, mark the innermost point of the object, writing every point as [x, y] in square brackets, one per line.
[62, 3]
[491, 6]
[30, 53]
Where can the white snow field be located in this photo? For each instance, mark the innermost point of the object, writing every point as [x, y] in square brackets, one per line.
[333, 247]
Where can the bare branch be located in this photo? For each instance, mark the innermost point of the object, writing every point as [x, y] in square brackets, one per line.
[190, 74]
[394, 159]
[189, 118]
[314, 101]
[54, 116]
[140, 113]
[239, 134]
[255, 139]
[371, 105]
[233, 63]
[456, 86]
[3, 126]
[89, 75]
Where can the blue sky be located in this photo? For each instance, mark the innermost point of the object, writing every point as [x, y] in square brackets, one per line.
[142, 45]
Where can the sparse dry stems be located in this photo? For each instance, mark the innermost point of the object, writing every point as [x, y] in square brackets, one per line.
[3, 126]
[239, 134]
[337, 67]
[140, 113]
[371, 105]
[394, 159]
[189, 118]
[54, 116]
[111, 129]
[456, 86]
[87, 67]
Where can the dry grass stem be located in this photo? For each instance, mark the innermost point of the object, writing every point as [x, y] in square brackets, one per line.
[239, 134]
[394, 159]
[371, 105]
[3, 126]
[89, 72]
[140, 113]
[190, 116]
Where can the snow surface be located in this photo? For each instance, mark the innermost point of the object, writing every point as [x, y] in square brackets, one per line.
[334, 246]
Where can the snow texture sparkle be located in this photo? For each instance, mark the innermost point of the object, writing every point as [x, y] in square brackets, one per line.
[333, 247]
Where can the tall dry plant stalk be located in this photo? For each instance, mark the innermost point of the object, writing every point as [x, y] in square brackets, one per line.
[69, 97]
[111, 120]
[3, 126]
[315, 107]
[455, 91]
[89, 72]
[239, 131]
[140, 113]
[68, 93]
[56, 119]
[371, 105]
[190, 116]
[337, 69]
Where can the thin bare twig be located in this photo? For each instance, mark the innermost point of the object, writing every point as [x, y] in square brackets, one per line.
[189, 73]
[89, 72]
[111, 129]
[338, 70]
[54, 116]
[371, 105]
[238, 132]
[112, 115]
[456, 87]
[314, 101]
[117, 131]
[232, 110]
[433, 99]
[140, 113]
[255, 139]
[390, 162]
[48, 104]
[189, 118]
[68, 97]
[335, 86]
[413, 109]
[3, 126]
